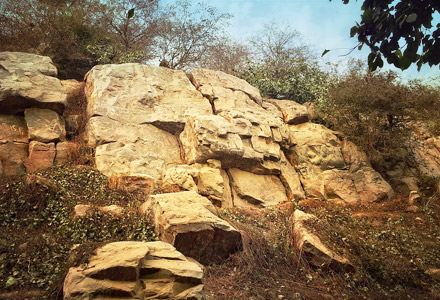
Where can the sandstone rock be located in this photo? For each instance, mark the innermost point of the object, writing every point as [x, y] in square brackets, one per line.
[65, 152]
[338, 184]
[13, 129]
[189, 222]
[291, 181]
[129, 149]
[210, 82]
[293, 112]
[142, 184]
[141, 94]
[402, 178]
[256, 190]
[332, 169]
[45, 125]
[135, 270]
[205, 179]
[12, 156]
[317, 145]
[214, 137]
[427, 158]
[371, 186]
[414, 198]
[312, 247]
[28, 80]
[435, 273]
[412, 208]
[82, 210]
[13, 144]
[41, 156]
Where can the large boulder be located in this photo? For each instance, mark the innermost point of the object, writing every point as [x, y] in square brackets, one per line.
[141, 94]
[134, 111]
[331, 168]
[132, 149]
[28, 80]
[205, 179]
[189, 222]
[219, 86]
[135, 270]
[293, 112]
[45, 125]
[236, 143]
[256, 190]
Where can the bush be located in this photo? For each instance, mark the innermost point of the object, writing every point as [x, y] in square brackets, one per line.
[375, 110]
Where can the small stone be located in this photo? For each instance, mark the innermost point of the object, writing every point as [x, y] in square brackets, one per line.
[435, 274]
[412, 208]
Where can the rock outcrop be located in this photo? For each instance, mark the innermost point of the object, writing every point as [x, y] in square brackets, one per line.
[155, 122]
[135, 270]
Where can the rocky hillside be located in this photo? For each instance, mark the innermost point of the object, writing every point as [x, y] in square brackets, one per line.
[190, 147]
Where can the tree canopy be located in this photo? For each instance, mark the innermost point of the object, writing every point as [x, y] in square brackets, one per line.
[403, 32]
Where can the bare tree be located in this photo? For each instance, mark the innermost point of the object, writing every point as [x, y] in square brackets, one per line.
[188, 32]
[226, 55]
[134, 23]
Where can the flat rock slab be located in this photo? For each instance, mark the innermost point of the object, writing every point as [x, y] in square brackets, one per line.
[189, 222]
[256, 190]
[311, 246]
[27, 80]
[45, 125]
[135, 270]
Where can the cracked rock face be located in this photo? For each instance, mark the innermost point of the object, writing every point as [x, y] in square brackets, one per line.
[135, 270]
[152, 121]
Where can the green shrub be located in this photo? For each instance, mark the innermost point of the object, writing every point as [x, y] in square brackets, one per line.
[38, 233]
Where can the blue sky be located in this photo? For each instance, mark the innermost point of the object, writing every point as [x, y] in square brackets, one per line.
[323, 25]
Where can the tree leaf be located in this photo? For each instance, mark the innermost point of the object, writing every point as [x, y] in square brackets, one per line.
[371, 57]
[130, 13]
[404, 63]
[411, 18]
[353, 31]
[325, 52]
[11, 281]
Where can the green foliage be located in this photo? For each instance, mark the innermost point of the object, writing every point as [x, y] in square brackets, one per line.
[391, 255]
[301, 80]
[38, 232]
[404, 32]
